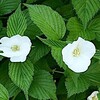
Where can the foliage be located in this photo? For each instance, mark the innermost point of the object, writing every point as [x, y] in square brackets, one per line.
[51, 25]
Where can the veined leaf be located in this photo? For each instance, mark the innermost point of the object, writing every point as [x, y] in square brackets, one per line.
[80, 96]
[6, 81]
[22, 74]
[97, 55]
[94, 27]
[54, 43]
[4, 95]
[42, 86]
[57, 55]
[49, 21]
[86, 9]
[16, 23]
[93, 74]
[38, 51]
[76, 30]
[42, 64]
[7, 6]
[32, 30]
[76, 84]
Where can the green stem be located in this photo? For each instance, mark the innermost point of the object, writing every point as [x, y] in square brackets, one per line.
[59, 72]
[26, 95]
[55, 71]
[15, 95]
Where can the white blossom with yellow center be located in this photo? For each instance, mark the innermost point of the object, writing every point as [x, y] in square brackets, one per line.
[16, 48]
[78, 54]
[93, 96]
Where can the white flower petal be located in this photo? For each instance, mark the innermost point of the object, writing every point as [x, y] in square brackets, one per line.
[4, 39]
[18, 58]
[6, 51]
[17, 47]
[67, 50]
[79, 64]
[25, 48]
[25, 39]
[87, 47]
[94, 94]
[78, 54]
[16, 37]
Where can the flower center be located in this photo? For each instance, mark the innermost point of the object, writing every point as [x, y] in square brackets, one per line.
[15, 48]
[94, 98]
[76, 52]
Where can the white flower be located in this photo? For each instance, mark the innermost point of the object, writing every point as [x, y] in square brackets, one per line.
[16, 48]
[78, 54]
[93, 96]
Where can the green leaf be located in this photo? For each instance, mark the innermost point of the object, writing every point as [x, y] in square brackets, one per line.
[76, 83]
[38, 51]
[94, 26]
[42, 64]
[76, 30]
[16, 23]
[80, 96]
[66, 11]
[54, 43]
[7, 6]
[6, 81]
[49, 21]
[42, 86]
[57, 55]
[22, 74]
[97, 55]
[86, 9]
[32, 30]
[93, 74]
[98, 95]
[3, 93]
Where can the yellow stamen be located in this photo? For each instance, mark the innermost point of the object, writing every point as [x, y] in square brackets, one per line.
[94, 98]
[76, 52]
[15, 48]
